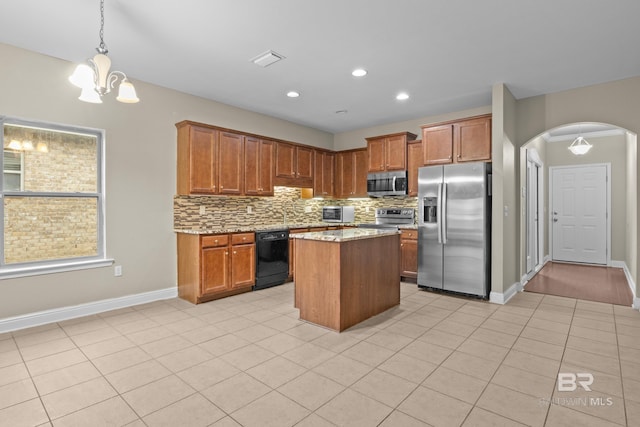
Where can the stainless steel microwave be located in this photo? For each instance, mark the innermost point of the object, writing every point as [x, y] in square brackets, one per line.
[387, 184]
[338, 213]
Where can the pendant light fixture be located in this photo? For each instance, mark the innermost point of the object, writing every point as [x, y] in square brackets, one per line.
[579, 146]
[96, 80]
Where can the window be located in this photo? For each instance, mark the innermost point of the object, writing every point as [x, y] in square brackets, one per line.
[13, 170]
[52, 198]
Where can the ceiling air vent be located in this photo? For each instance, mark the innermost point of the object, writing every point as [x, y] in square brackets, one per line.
[267, 58]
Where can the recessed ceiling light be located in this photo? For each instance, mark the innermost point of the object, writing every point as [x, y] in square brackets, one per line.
[293, 94]
[359, 72]
[402, 96]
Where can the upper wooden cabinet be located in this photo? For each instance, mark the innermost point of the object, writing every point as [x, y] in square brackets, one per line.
[294, 165]
[197, 160]
[210, 160]
[459, 141]
[324, 173]
[258, 167]
[230, 163]
[351, 173]
[219, 161]
[388, 152]
[414, 162]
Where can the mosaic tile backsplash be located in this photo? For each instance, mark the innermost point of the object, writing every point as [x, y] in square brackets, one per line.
[222, 212]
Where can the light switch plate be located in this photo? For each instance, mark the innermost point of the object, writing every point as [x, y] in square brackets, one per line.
[202, 210]
[307, 209]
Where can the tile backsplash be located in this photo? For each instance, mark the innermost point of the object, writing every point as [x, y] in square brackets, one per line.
[222, 212]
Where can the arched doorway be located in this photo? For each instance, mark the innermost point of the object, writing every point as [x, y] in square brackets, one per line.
[610, 145]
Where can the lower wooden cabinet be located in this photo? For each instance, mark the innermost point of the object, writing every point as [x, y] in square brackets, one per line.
[215, 266]
[409, 254]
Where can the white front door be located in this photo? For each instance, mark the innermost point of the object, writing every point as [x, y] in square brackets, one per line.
[579, 206]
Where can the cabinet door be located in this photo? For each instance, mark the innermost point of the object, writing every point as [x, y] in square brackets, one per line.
[266, 168]
[285, 160]
[375, 153]
[472, 140]
[359, 173]
[243, 266]
[258, 167]
[304, 164]
[215, 270]
[437, 144]
[409, 258]
[203, 159]
[323, 174]
[414, 161]
[252, 166]
[396, 152]
[230, 161]
[344, 174]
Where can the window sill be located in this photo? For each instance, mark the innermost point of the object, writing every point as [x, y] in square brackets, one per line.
[15, 272]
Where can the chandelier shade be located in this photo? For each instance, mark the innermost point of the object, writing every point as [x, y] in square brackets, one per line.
[580, 146]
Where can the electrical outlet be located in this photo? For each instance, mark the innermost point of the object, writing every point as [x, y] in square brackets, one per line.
[117, 270]
[202, 210]
[249, 209]
[307, 209]
[366, 209]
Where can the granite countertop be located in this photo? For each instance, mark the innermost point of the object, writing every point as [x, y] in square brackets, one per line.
[344, 235]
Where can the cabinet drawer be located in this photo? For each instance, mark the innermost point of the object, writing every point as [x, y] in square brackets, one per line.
[242, 238]
[214, 241]
[410, 234]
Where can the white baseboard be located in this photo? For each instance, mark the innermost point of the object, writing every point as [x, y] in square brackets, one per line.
[632, 284]
[503, 298]
[65, 313]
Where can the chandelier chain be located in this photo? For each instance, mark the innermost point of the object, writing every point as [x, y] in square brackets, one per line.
[102, 48]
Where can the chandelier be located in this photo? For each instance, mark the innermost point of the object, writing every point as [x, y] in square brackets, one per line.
[580, 146]
[96, 80]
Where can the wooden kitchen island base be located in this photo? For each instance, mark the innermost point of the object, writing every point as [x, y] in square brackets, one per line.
[342, 282]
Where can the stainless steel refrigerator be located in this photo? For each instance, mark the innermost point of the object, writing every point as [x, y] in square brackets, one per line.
[454, 228]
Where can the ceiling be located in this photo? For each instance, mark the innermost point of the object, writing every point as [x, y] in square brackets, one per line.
[446, 54]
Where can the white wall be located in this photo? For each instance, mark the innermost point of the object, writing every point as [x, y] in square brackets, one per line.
[140, 175]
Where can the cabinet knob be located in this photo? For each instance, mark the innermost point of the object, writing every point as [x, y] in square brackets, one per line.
[234, 252]
[449, 157]
[244, 238]
[458, 155]
[215, 241]
[221, 187]
[226, 253]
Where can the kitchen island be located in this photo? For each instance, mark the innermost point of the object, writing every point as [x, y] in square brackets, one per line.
[344, 277]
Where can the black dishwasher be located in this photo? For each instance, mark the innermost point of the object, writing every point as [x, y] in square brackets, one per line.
[272, 258]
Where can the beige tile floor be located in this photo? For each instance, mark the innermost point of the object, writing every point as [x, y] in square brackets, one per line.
[247, 360]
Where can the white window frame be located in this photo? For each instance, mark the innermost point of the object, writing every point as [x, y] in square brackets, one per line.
[21, 172]
[32, 268]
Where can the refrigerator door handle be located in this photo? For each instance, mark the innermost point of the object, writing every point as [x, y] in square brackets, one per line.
[443, 211]
[439, 213]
